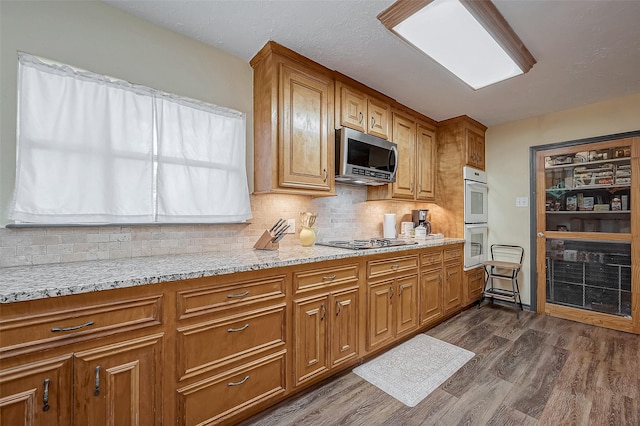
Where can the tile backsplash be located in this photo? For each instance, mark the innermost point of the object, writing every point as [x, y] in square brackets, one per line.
[346, 216]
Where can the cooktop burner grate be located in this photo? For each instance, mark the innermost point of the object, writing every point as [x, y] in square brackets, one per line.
[367, 244]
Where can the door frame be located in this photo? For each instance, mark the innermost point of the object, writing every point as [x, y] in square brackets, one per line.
[533, 239]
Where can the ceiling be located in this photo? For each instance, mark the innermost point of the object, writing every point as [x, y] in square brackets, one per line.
[586, 51]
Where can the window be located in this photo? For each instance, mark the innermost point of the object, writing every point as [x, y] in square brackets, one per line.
[92, 149]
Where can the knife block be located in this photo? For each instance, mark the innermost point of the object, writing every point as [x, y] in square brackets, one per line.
[265, 243]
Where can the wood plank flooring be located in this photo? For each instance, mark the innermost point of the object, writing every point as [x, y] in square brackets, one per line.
[538, 370]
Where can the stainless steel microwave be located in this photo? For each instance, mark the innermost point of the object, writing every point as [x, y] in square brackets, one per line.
[363, 159]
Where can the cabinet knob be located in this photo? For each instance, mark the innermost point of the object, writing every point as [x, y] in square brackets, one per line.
[540, 234]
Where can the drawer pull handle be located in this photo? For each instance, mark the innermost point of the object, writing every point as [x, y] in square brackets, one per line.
[395, 266]
[339, 308]
[400, 292]
[96, 392]
[45, 395]
[238, 383]
[324, 312]
[361, 117]
[236, 296]
[391, 292]
[75, 327]
[329, 277]
[233, 330]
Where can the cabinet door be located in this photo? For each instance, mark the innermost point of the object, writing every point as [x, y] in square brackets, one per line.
[425, 163]
[379, 113]
[344, 328]
[119, 384]
[475, 284]
[353, 108]
[475, 149]
[431, 296]
[37, 394]
[310, 336]
[306, 135]
[380, 315]
[452, 286]
[404, 135]
[406, 305]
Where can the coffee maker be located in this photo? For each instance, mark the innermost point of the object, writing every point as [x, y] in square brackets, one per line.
[419, 217]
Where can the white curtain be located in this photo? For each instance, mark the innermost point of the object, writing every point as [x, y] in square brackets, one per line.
[201, 163]
[97, 150]
[84, 147]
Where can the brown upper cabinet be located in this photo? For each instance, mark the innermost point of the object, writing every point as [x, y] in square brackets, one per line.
[466, 136]
[361, 111]
[415, 178]
[293, 123]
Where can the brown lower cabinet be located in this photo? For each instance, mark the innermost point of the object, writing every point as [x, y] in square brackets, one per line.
[214, 350]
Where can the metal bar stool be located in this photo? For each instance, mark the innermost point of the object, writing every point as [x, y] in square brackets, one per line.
[503, 266]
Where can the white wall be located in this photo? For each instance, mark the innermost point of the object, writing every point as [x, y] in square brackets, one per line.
[103, 39]
[507, 164]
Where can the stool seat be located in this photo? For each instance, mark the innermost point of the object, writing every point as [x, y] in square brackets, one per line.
[502, 267]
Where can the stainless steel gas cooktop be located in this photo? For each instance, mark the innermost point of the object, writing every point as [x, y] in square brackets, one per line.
[367, 244]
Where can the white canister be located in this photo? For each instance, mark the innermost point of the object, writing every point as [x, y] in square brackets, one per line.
[420, 232]
[389, 225]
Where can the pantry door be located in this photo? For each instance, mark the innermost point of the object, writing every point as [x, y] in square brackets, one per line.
[587, 239]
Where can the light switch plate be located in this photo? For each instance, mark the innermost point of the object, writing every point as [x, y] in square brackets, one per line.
[522, 201]
[292, 226]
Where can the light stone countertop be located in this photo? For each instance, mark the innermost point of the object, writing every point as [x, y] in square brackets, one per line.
[37, 282]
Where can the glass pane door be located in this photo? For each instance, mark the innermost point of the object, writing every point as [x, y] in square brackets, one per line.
[587, 232]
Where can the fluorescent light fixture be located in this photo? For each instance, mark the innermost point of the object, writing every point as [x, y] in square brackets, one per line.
[468, 37]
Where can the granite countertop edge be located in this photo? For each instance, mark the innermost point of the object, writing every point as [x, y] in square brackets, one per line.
[23, 283]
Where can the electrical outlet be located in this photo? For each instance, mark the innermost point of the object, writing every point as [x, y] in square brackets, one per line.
[522, 202]
[292, 226]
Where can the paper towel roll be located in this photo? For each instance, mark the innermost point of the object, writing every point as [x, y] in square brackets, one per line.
[389, 225]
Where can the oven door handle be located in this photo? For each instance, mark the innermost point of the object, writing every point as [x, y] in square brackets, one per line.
[480, 225]
[477, 185]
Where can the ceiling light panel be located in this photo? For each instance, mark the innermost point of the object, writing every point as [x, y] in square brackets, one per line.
[461, 41]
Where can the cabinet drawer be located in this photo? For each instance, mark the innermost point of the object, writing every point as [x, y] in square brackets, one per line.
[218, 398]
[217, 297]
[452, 254]
[431, 259]
[381, 268]
[209, 345]
[311, 280]
[66, 326]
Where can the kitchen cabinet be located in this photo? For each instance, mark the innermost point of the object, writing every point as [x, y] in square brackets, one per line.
[361, 111]
[58, 367]
[452, 288]
[392, 299]
[587, 232]
[431, 287]
[211, 350]
[37, 393]
[475, 148]
[246, 365]
[459, 140]
[293, 124]
[325, 320]
[473, 284]
[417, 153]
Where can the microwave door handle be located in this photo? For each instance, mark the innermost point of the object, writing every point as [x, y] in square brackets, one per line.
[393, 160]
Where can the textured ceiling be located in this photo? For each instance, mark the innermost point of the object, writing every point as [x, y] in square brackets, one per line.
[587, 51]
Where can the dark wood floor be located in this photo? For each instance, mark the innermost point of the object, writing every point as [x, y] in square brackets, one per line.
[536, 370]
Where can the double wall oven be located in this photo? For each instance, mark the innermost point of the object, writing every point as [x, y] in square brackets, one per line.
[475, 217]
